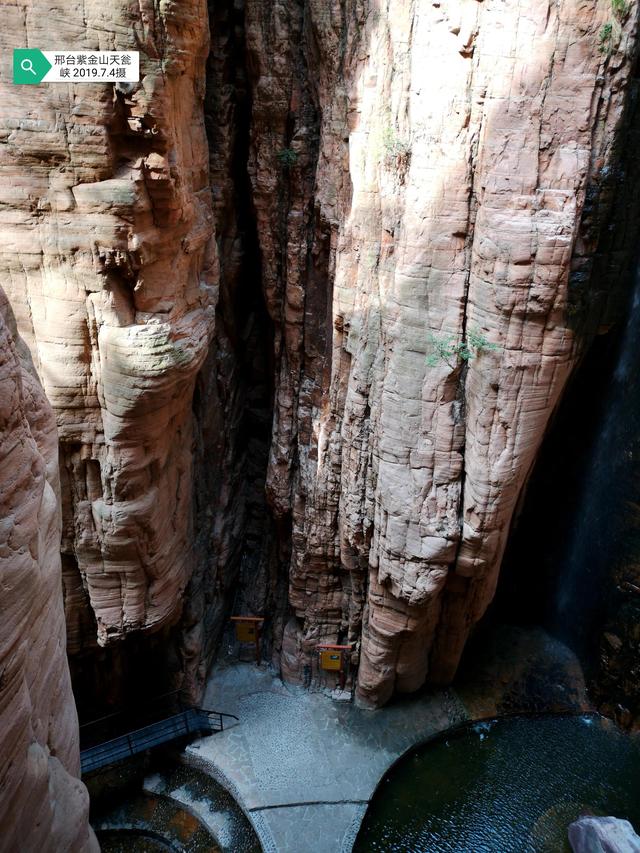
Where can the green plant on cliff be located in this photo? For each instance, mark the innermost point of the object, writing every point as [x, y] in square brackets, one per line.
[287, 157]
[611, 31]
[452, 352]
[605, 39]
[397, 149]
[478, 343]
[443, 349]
[394, 144]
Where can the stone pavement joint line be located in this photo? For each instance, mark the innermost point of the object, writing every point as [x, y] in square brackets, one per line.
[303, 767]
[310, 803]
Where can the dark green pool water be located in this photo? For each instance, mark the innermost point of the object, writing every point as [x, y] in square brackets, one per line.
[504, 786]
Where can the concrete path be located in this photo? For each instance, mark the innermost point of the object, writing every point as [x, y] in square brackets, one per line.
[304, 767]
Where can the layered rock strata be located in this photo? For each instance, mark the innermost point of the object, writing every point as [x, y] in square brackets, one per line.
[424, 178]
[43, 805]
[407, 202]
[108, 263]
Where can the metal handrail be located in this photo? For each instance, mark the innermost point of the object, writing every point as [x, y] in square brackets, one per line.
[219, 713]
[189, 721]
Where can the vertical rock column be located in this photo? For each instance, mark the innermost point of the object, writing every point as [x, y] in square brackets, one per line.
[420, 173]
[43, 804]
[108, 264]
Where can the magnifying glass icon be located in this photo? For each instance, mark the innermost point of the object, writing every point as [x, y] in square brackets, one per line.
[27, 65]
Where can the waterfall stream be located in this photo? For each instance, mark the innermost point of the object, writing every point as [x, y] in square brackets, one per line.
[596, 540]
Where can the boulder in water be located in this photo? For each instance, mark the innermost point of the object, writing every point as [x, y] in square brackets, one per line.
[603, 835]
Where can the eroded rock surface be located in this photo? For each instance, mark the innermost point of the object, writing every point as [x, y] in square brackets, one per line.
[43, 805]
[383, 182]
[108, 264]
[439, 165]
[603, 835]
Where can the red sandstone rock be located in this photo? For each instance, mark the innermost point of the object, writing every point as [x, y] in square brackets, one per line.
[43, 804]
[455, 145]
[417, 171]
[107, 262]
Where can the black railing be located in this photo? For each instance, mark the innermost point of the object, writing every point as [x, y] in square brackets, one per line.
[190, 722]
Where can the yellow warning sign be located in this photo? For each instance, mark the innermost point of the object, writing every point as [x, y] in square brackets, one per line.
[330, 660]
[246, 632]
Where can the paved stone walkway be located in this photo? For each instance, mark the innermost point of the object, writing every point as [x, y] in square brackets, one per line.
[304, 767]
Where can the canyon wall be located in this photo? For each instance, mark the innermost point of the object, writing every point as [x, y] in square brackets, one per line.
[108, 262]
[43, 805]
[342, 255]
[428, 179]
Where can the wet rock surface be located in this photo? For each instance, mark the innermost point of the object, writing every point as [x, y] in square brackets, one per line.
[157, 820]
[603, 835]
[214, 806]
[176, 806]
[513, 669]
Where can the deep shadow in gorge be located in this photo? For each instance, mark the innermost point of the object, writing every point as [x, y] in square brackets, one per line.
[233, 406]
[580, 579]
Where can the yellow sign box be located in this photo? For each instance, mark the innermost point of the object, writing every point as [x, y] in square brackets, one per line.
[246, 632]
[330, 660]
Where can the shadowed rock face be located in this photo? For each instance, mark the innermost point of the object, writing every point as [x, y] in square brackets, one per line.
[43, 806]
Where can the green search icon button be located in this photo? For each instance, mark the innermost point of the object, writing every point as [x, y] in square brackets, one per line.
[29, 66]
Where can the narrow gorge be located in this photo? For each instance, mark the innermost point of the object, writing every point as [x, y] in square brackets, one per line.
[330, 319]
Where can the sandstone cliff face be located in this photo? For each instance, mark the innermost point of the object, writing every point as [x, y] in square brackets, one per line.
[108, 264]
[379, 180]
[43, 805]
[419, 174]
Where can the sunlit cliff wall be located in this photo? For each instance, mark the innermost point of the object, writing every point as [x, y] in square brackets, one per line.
[422, 171]
[108, 264]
